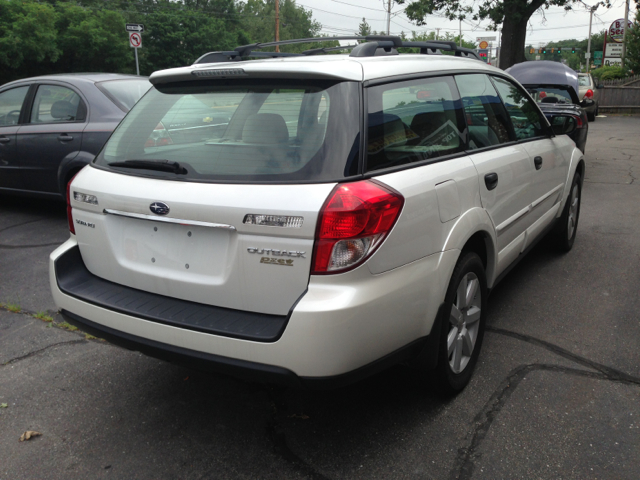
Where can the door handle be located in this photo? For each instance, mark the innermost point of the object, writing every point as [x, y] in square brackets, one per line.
[491, 180]
[538, 162]
[5, 139]
[65, 137]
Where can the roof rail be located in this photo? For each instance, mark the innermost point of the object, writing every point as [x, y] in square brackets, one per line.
[372, 43]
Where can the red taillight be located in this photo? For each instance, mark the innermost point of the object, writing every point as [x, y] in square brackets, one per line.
[352, 224]
[589, 94]
[159, 137]
[579, 122]
[72, 229]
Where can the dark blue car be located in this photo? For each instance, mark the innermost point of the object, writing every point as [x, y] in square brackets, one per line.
[52, 126]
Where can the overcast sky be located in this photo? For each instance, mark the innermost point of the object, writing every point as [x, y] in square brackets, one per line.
[342, 17]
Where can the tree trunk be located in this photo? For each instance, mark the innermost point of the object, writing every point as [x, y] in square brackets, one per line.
[514, 33]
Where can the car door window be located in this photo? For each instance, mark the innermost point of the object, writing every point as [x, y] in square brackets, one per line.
[56, 104]
[525, 117]
[486, 118]
[11, 104]
[413, 121]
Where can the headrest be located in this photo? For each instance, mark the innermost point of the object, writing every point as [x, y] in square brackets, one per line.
[63, 110]
[427, 122]
[549, 100]
[265, 128]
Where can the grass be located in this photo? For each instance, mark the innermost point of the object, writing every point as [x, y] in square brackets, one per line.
[67, 326]
[43, 316]
[12, 307]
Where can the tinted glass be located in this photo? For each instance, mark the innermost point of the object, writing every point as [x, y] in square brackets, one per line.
[10, 105]
[486, 118]
[54, 104]
[125, 93]
[523, 113]
[413, 121]
[550, 94]
[245, 131]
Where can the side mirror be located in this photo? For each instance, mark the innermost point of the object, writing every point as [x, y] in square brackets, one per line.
[565, 124]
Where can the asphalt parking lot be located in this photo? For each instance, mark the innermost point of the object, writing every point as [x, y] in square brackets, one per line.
[556, 393]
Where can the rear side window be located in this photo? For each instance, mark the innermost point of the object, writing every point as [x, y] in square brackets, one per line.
[523, 113]
[56, 104]
[244, 131]
[486, 117]
[125, 93]
[413, 121]
[584, 80]
[11, 104]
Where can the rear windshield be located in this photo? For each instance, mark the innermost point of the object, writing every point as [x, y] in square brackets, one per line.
[550, 94]
[584, 80]
[242, 131]
[125, 93]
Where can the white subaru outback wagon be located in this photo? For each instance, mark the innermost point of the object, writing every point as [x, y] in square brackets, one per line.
[311, 219]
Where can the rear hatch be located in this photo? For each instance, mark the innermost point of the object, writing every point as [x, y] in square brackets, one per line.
[211, 193]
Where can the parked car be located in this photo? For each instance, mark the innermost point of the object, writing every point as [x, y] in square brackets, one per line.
[589, 90]
[554, 86]
[52, 126]
[354, 213]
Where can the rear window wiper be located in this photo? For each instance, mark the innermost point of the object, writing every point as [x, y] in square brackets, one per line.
[160, 165]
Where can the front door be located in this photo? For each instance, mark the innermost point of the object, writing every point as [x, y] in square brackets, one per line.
[11, 102]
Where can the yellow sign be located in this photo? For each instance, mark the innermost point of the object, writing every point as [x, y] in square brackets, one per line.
[483, 44]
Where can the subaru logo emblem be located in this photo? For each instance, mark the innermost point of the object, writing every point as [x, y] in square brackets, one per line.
[159, 208]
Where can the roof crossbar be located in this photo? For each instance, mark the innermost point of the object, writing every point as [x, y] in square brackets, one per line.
[388, 43]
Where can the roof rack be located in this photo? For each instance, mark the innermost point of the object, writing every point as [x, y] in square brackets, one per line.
[373, 45]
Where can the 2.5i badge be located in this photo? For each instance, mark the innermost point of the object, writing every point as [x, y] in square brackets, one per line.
[277, 261]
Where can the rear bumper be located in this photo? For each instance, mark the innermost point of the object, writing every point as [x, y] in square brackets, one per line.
[344, 327]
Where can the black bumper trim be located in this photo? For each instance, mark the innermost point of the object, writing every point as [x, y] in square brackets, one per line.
[246, 370]
[75, 280]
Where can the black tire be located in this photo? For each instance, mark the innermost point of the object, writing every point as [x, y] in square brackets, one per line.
[565, 231]
[449, 381]
[591, 116]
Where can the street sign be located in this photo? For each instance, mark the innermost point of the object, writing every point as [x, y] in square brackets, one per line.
[613, 62]
[483, 44]
[597, 54]
[616, 30]
[134, 27]
[135, 40]
[613, 50]
[537, 57]
[485, 39]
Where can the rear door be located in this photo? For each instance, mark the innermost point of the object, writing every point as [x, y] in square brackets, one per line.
[11, 105]
[53, 132]
[547, 165]
[503, 165]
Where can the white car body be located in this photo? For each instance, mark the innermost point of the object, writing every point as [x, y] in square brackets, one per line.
[336, 325]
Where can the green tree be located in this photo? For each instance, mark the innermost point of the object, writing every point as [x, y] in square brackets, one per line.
[513, 15]
[364, 28]
[633, 46]
[27, 38]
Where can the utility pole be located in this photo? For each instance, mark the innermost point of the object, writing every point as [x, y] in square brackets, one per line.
[592, 10]
[277, 24]
[437, 33]
[624, 32]
[460, 28]
[388, 17]
[498, 49]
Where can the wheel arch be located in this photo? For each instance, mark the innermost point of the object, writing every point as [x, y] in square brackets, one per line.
[69, 167]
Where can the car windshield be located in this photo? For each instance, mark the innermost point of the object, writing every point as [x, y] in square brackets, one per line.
[584, 80]
[125, 93]
[241, 131]
[550, 94]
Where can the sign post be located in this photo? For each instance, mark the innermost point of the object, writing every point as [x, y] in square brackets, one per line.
[135, 39]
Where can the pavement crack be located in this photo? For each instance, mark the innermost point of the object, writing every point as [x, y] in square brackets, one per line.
[278, 438]
[611, 373]
[15, 247]
[465, 460]
[20, 224]
[36, 352]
